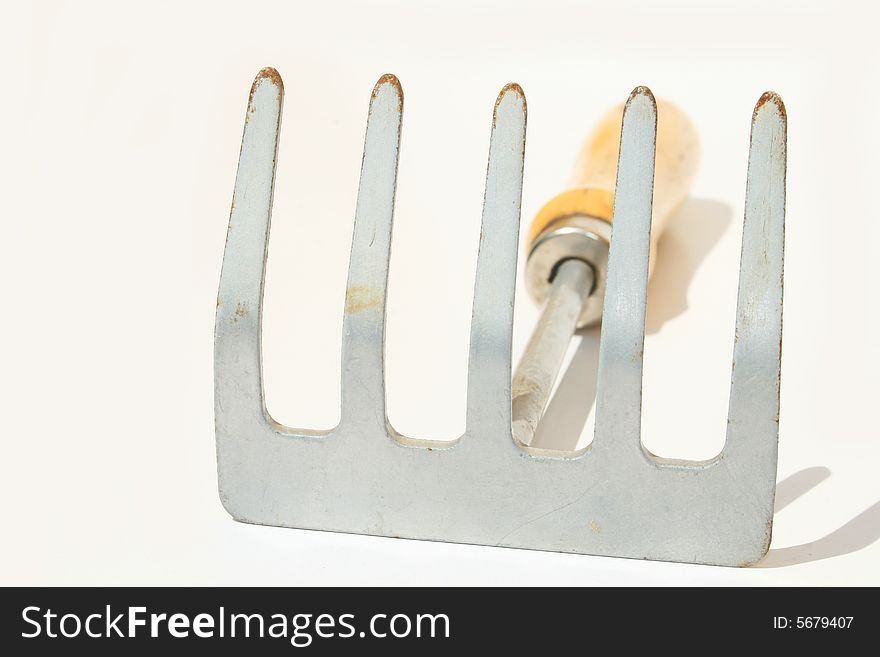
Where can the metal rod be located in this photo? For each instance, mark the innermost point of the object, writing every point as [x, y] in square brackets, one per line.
[539, 366]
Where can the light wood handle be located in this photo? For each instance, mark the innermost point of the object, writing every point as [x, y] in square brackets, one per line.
[594, 176]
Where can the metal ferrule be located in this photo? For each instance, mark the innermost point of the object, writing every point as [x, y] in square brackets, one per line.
[577, 237]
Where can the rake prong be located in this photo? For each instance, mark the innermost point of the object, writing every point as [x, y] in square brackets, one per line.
[237, 365]
[489, 361]
[753, 415]
[363, 330]
[619, 386]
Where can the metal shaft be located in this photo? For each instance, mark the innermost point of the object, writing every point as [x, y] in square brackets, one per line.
[539, 366]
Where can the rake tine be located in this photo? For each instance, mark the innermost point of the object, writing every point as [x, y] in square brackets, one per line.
[237, 363]
[489, 362]
[619, 386]
[363, 341]
[753, 415]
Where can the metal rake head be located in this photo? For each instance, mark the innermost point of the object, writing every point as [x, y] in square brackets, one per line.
[613, 498]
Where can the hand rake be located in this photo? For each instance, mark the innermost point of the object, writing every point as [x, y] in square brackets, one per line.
[489, 486]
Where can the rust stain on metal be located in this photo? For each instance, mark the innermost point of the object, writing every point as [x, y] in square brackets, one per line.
[241, 311]
[389, 78]
[771, 97]
[765, 546]
[510, 86]
[778, 378]
[267, 73]
[274, 78]
[641, 90]
[361, 297]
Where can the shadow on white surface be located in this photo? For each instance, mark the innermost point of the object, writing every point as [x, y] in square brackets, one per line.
[798, 484]
[692, 233]
[858, 533]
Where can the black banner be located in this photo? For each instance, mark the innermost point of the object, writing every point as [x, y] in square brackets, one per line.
[285, 621]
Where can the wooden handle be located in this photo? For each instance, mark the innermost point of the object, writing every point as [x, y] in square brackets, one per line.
[594, 176]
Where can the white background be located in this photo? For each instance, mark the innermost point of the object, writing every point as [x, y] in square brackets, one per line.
[122, 124]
